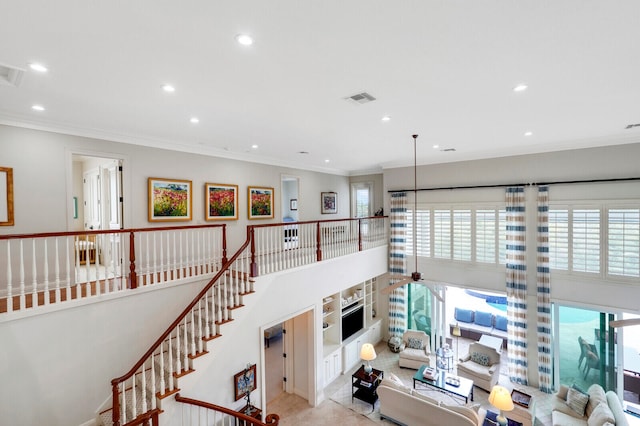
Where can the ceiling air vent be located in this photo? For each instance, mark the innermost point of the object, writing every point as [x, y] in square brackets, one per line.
[10, 76]
[631, 126]
[448, 150]
[361, 98]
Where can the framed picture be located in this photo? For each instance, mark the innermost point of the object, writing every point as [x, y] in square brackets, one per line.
[293, 204]
[244, 381]
[221, 201]
[6, 196]
[329, 202]
[169, 200]
[260, 202]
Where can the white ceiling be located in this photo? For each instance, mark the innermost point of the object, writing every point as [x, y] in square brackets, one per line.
[442, 69]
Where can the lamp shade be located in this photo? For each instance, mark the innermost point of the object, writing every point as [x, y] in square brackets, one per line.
[456, 330]
[501, 398]
[367, 353]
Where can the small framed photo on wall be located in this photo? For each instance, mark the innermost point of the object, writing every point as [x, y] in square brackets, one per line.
[329, 202]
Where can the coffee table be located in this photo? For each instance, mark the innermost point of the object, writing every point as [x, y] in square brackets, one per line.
[463, 390]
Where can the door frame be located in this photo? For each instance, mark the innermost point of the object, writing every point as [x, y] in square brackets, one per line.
[125, 184]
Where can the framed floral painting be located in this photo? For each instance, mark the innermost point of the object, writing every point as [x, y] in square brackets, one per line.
[169, 200]
[260, 202]
[221, 201]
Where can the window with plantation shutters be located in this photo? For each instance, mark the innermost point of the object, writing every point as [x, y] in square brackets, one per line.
[586, 240]
[442, 234]
[423, 227]
[462, 235]
[559, 239]
[486, 236]
[624, 242]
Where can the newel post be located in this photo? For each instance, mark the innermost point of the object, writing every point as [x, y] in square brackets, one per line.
[253, 267]
[132, 261]
[318, 240]
[224, 244]
[115, 410]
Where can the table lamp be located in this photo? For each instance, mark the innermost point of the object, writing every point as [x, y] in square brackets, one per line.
[368, 353]
[501, 399]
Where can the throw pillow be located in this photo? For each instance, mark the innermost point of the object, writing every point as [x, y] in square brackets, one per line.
[414, 343]
[394, 378]
[596, 397]
[601, 415]
[480, 358]
[577, 400]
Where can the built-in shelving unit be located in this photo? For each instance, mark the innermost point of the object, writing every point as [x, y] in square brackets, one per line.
[348, 321]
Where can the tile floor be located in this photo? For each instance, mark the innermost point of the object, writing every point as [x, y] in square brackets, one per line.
[338, 407]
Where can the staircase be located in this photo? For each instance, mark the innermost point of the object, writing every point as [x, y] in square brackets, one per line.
[156, 376]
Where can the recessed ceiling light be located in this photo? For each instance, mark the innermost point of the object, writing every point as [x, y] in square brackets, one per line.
[386, 118]
[254, 146]
[38, 67]
[520, 88]
[37, 108]
[168, 88]
[528, 133]
[327, 161]
[194, 120]
[436, 146]
[244, 39]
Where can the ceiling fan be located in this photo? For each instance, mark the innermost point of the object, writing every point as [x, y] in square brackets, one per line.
[624, 322]
[415, 277]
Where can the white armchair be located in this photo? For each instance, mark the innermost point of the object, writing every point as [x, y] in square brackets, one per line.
[415, 349]
[482, 365]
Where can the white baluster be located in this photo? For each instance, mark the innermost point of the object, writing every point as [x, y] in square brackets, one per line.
[181, 260]
[185, 342]
[170, 363]
[163, 385]
[34, 271]
[134, 398]
[9, 288]
[153, 380]
[200, 336]
[155, 260]
[207, 328]
[193, 333]
[162, 257]
[143, 386]
[46, 273]
[97, 266]
[57, 271]
[123, 403]
[178, 343]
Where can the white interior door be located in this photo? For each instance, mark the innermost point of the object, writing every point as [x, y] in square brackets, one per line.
[92, 199]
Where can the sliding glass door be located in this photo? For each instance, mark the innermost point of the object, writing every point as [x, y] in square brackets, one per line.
[586, 352]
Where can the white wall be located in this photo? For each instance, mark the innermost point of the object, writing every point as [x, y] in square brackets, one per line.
[43, 191]
[56, 368]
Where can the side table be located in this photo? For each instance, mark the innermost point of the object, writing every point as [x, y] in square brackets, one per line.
[252, 411]
[364, 386]
[490, 420]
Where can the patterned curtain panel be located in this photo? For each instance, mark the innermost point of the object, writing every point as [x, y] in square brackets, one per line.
[544, 293]
[397, 262]
[516, 272]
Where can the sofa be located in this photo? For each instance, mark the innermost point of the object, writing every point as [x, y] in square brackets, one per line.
[573, 407]
[482, 365]
[414, 350]
[403, 405]
[474, 324]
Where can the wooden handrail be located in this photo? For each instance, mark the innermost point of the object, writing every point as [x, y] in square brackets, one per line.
[143, 419]
[108, 231]
[271, 419]
[115, 382]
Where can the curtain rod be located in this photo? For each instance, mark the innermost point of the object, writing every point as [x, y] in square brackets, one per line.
[565, 182]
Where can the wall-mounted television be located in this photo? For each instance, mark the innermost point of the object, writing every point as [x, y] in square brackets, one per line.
[352, 321]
